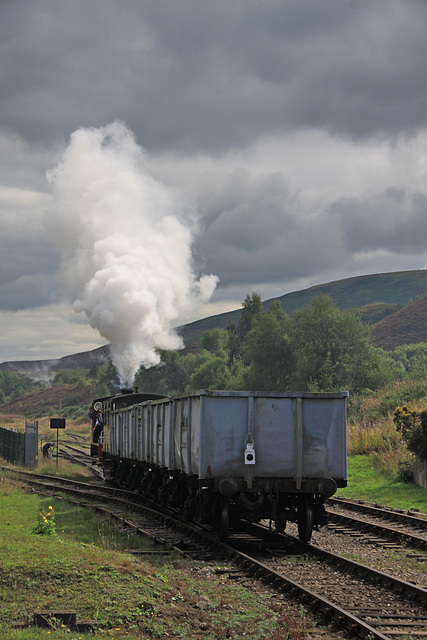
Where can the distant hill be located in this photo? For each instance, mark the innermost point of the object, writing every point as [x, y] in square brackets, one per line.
[395, 304]
[42, 370]
[41, 401]
[406, 326]
[373, 313]
[383, 293]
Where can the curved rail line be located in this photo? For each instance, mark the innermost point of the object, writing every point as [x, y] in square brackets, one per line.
[390, 513]
[397, 525]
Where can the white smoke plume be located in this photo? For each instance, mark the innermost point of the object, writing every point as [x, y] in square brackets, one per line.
[125, 246]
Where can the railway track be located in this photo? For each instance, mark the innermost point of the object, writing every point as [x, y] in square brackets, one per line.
[386, 606]
[80, 456]
[392, 528]
[75, 448]
[349, 597]
[386, 513]
[393, 607]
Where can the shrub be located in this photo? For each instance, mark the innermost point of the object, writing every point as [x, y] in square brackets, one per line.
[413, 426]
[406, 471]
[405, 419]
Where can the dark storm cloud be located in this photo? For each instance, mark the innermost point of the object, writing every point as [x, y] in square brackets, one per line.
[257, 231]
[323, 102]
[26, 279]
[28, 292]
[205, 75]
[394, 221]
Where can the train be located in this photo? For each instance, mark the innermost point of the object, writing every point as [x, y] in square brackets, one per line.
[221, 456]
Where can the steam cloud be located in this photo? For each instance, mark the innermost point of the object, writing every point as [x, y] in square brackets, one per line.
[125, 242]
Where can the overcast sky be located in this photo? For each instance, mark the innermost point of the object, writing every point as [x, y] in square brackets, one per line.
[278, 143]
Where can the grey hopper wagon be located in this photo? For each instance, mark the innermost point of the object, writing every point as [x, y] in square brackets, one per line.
[219, 456]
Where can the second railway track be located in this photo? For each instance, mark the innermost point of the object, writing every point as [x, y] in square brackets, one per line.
[389, 527]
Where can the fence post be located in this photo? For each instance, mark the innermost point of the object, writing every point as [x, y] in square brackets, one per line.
[31, 444]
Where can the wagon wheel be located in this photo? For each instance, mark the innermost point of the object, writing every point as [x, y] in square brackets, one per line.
[222, 520]
[190, 504]
[280, 524]
[305, 519]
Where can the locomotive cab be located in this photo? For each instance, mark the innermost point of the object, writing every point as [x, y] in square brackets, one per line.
[101, 413]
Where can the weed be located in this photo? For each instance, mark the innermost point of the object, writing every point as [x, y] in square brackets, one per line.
[45, 523]
[289, 627]
[6, 485]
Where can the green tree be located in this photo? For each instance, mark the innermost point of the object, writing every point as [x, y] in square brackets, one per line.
[152, 379]
[70, 376]
[413, 426]
[252, 311]
[108, 381]
[269, 353]
[408, 361]
[178, 371]
[332, 349]
[170, 377]
[13, 384]
[215, 341]
[211, 371]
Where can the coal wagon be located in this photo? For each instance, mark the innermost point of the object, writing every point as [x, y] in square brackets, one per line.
[220, 456]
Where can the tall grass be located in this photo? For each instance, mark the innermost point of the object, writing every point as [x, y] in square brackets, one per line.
[379, 405]
[369, 436]
[383, 443]
[371, 431]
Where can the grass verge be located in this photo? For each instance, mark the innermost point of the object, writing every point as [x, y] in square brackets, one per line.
[86, 566]
[367, 483]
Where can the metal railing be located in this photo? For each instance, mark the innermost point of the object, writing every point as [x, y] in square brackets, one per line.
[20, 448]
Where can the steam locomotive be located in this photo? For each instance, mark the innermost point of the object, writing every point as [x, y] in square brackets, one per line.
[219, 456]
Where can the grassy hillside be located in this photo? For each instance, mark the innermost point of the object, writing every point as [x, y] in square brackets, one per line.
[50, 401]
[377, 295]
[42, 369]
[406, 326]
[373, 313]
[390, 288]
